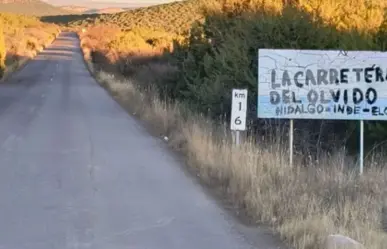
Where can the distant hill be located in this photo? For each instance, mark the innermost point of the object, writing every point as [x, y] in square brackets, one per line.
[74, 9]
[85, 10]
[104, 11]
[31, 7]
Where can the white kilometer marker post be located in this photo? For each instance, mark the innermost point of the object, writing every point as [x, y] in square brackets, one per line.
[238, 112]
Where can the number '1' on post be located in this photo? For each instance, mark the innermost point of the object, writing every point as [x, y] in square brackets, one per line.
[238, 112]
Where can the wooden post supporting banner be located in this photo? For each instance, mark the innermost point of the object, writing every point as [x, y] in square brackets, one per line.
[291, 142]
[361, 159]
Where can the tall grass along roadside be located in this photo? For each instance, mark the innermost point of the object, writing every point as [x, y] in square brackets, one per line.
[303, 204]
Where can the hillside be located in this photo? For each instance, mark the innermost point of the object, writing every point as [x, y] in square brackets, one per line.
[30, 7]
[168, 17]
[172, 17]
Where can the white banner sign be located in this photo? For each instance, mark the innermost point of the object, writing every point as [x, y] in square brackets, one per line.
[322, 84]
[239, 109]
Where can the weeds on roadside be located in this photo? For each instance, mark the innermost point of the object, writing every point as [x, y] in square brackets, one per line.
[304, 204]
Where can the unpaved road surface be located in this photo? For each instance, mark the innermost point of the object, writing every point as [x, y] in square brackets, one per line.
[76, 171]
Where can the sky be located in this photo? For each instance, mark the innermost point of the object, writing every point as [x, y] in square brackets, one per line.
[108, 3]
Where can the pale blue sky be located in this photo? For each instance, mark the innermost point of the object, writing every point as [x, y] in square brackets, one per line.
[108, 3]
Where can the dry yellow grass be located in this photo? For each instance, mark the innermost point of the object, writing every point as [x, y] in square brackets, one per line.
[24, 37]
[304, 204]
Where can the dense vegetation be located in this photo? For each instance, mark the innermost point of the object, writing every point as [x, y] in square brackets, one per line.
[30, 7]
[221, 54]
[215, 46]
[24, 36]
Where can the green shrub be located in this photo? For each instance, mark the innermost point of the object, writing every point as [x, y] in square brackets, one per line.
[141, 40]
[221, 54]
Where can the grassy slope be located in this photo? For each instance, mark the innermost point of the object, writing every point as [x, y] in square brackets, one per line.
[143, 32]
[172, 17]
[169, 17]
[37, 8]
